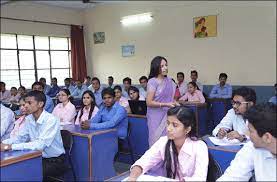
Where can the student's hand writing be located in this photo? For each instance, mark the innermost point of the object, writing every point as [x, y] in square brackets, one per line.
[221, 133]
[85, 125]
[233, 135]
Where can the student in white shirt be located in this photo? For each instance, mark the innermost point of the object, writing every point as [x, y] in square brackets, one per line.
[233, 126]
[194, 77]
[257, 157]
[7, 121]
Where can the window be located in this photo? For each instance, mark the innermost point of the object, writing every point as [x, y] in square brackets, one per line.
[25, 59]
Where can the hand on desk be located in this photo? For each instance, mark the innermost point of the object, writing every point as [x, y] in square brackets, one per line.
[85, 124]
[234, 135]
[5, 147]
[222, 132]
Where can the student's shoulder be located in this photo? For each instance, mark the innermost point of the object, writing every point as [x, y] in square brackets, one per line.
[200, 144]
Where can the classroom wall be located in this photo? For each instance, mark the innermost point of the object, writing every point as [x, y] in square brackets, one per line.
[35, 11]
[245, 47]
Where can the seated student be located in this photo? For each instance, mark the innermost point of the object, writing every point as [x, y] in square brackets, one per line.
[45, 86]
[79, 90]
[88, 109]
[143, 83]
[54, 90]
[97, 90]
[110, 82]
[4, 94]
[274, 98]
[41, 132]
[133, 93]
[22, 91]
[180, 155]
[120, 99]
[127, 82]
[193, 95]
[87, 81]
[222, 90]
[258, 156]
[49, 105]
[110, 115]
[194, 77]
[65, 110]
[181, 85]
[68, 85]
[233, 126]
[20, 122]
[14, 95]
[7, 121]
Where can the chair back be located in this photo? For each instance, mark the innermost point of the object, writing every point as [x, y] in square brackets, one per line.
[67, 140]
[214, 170]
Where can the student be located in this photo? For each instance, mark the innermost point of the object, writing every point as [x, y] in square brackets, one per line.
[88, 109]
[160, 97]
[120, 99]
[45, 86]
[257, 157]
[65, 110]
[143, 83]
[222, 90]
[54, 90]
[20, 122]
[110, 82]
[97, 90]
[180, 154]
[14, 95]
[193, 95]
[233, 126]
[87, 81]
[22, 91]
[68, 85]
[4, 94]
[7, 121]
[274, 98]
[181, 85]
[41, 132]
[133, 93]
[49, 105]
[127, 82]
[194, 77]
[110, 115]
[79, 90]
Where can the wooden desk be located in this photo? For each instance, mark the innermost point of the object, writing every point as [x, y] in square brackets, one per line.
[93, 153]
[222, 154]
[23, 165]
[219, 108]
[200, 110]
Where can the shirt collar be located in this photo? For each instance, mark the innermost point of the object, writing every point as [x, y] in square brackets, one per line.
[40, 119]
[187, 147]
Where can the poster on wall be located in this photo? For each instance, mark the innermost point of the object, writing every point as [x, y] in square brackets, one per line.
[205, 26]
[99, 37]
[128, 50]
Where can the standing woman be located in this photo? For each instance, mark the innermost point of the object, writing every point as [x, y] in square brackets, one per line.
[65, 110]
[88, 109]
[160, 97]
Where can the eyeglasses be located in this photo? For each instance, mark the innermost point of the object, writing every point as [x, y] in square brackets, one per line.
[238, 103]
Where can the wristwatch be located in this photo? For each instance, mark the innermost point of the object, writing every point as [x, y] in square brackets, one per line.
[6, 147]
[243, 138]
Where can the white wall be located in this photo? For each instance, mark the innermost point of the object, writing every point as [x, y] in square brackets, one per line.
[245, 47]
[34, 11]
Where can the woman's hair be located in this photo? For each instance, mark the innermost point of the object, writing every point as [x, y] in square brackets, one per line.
[135, 89]
[156, 66]
[67, 92]
[194, 85]
[117, 87]
[92, 104]
[187, 117]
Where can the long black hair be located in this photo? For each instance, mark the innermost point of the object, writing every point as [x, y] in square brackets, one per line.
[155, 67]
[187, 118]
[92, 104]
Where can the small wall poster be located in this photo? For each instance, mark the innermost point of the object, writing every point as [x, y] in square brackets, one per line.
[99, 37]
[128, 50]
[205, 26]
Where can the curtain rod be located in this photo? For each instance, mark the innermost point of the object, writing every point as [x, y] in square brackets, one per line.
[36, 21]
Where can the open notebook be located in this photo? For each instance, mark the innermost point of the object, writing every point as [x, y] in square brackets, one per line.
[225, 141]
[151, 178]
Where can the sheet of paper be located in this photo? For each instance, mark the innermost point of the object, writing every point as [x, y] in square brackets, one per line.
[225, 141]
[151, 178]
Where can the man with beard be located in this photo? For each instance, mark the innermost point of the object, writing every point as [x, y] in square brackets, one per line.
[233, 126]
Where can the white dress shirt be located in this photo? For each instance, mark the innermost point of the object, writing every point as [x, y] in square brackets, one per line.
[251, 160]
[43, 134]
[183, 88]
[7, 122]
[234, 122]
[142, 92]
[200, 86]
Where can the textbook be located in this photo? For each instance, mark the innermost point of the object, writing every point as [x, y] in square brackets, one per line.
[224, 141]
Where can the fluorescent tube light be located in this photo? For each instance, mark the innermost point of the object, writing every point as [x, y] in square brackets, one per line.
[136, 19]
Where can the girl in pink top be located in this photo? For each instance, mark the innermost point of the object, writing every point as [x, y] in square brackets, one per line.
[179, 154]
[133, 93]
[20, 122]
[65, 110]
[193, 95]
[88, 109]
[120, 99]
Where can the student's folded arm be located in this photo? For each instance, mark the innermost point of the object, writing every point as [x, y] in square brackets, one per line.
[213, 93]
[22, 136]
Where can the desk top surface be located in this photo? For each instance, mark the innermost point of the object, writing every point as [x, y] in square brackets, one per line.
[11, 157]
[136, 116]
[231, 148]
[119, 177]
[78, 131]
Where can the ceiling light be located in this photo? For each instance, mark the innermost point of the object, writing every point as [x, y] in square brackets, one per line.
[136, 19]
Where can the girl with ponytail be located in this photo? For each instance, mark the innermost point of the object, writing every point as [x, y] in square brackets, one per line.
[180, 154]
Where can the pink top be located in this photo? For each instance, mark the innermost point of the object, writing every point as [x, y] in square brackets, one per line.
[193, 159]
[66, 114]
[196, 96]
[123, 102]
[86, 114]
[5, 96]
[18, 125]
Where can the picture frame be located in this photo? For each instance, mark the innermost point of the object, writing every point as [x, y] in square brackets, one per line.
[128, 50]
[205, 26]
[99, 37]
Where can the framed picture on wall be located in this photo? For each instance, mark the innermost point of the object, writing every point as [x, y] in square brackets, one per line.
[128, 50]
[205, 26]
[99, 37]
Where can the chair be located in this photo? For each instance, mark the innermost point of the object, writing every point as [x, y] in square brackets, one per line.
[214, 170]
[121, 143]
[67, 144]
